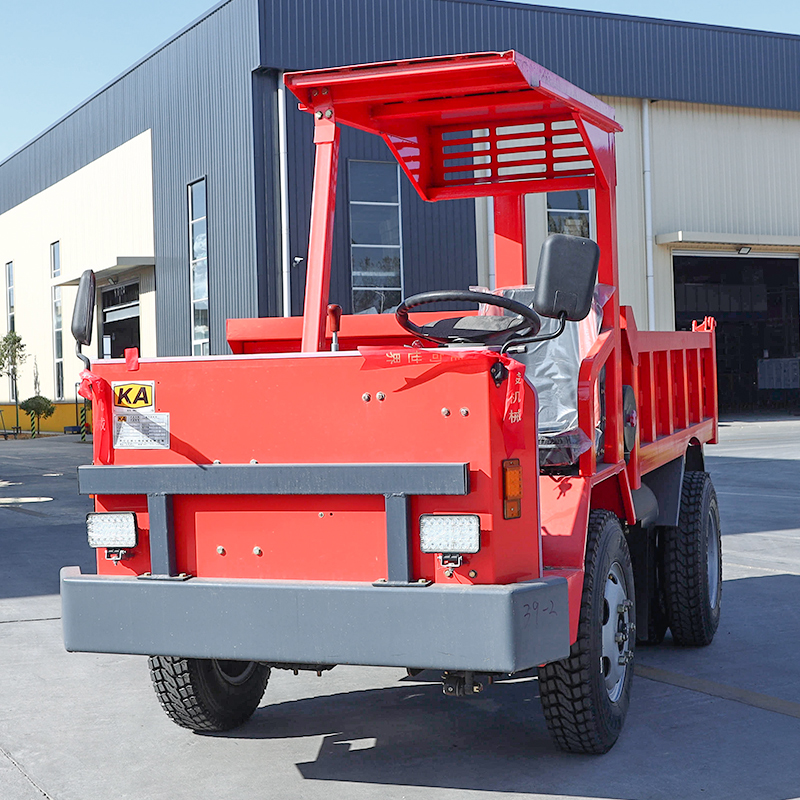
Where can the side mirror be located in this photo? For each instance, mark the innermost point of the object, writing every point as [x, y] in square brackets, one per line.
[83, 313]
[566, 277]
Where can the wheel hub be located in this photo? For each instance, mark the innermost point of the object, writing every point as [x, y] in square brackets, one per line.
[618, 632]
[234, 672]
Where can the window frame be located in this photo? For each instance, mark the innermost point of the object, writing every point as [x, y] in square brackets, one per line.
[204, 344]
[10, 318]
[55, 259]
[58, 342]
[373, 203]
[588, 211]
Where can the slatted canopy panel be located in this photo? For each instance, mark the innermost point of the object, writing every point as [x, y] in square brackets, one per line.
[471, 125]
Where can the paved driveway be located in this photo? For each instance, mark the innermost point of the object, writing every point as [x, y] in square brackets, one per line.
[722, 722]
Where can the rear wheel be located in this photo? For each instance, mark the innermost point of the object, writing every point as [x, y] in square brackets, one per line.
[208, 694]
[693, 564]
[585, 697]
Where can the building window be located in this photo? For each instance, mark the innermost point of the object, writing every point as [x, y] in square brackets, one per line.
[568, 212]
[58, 342]
[55, 259]
[120, 309]
[10, 294]
[10, 320]
[198, 257]
[375, 240]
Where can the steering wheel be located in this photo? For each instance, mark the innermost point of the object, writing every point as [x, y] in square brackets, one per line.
[476, 329]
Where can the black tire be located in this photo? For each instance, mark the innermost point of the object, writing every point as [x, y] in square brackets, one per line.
[583, 712]
[208, 694]
[693, 564]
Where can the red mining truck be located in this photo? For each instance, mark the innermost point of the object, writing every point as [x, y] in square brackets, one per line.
[480, 493]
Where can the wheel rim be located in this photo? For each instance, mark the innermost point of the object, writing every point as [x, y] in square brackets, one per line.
[616, 632]
[712, 549]
[234, 672]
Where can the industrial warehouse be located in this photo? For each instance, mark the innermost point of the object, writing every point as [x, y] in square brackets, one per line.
[192, 172]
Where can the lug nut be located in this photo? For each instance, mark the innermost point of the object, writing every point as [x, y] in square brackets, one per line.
[380, 396]
[464, 412]
[445, 412]
[221, 550]
[366, 397]
[257, 551]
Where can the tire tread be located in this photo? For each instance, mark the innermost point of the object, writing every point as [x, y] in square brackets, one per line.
[565, 686]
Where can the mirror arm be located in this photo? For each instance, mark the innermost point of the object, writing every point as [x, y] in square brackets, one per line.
[518, 345]
[82, 357]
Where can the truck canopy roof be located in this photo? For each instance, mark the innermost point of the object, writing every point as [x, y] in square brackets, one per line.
[471, 125]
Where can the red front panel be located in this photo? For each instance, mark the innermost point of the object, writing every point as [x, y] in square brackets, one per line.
[329, 409]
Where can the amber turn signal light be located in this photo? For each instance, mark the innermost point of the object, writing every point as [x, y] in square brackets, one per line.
[512, 489]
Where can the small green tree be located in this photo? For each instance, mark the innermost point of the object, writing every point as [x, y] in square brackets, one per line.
[12, 355]
[38, 407]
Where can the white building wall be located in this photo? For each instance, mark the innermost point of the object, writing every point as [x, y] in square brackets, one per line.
[99, 213]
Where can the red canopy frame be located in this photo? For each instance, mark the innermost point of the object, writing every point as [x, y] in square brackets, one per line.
[477, 125]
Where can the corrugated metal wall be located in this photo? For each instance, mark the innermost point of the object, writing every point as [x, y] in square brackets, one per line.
[630, 207]
[438, 238]
[602, 53]
[195, 94]
[710, 164]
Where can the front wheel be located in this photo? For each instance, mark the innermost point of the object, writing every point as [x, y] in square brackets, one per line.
[585, 697]
[204, 694]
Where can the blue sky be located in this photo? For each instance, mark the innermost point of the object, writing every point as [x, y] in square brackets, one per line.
[55, 53]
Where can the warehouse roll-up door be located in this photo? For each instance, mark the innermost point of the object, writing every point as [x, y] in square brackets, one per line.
[756, 303]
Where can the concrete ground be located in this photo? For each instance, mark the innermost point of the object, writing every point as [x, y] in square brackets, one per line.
[721, 722]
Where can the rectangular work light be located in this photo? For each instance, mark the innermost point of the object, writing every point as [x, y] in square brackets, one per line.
[449, 533]
[115, 530]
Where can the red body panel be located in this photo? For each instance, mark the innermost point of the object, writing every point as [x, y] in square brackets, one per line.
[312, 409]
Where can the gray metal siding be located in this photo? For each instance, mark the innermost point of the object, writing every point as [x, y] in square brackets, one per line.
[602, 53]
[438, 238]
[195, 95]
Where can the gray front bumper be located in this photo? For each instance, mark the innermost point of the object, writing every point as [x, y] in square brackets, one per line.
[481, 628]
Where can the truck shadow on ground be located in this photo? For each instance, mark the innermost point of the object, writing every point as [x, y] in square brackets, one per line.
[677, 742]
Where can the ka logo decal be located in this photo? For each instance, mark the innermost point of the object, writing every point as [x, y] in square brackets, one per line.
[133, 395]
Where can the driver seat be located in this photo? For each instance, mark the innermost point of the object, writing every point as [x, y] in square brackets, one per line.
[552, 368]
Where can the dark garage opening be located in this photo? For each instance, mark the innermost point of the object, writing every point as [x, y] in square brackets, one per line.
[756, 304]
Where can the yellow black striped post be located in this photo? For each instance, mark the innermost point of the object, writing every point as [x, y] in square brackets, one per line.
[83, 421]
[33, 425]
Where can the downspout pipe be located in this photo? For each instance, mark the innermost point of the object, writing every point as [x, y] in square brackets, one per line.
[648, 217]
[283, 179]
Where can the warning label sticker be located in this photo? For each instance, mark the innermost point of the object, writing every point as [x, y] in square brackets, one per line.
[134, 430]
[140, 396]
